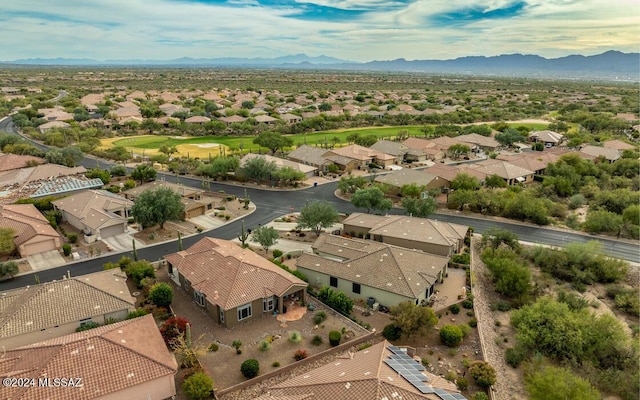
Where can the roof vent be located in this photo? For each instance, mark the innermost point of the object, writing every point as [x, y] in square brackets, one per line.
[74, 352]
[347, 385]
[130, 375]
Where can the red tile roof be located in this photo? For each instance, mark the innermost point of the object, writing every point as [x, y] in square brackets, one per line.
[230, 276]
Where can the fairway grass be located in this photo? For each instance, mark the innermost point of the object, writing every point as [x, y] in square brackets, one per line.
[205, 146]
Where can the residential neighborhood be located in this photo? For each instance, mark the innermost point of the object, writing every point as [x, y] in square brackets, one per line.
[281, 243]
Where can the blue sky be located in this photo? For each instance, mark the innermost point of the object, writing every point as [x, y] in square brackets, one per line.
[358, 30]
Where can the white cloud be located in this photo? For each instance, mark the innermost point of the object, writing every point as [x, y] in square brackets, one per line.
[163, 29]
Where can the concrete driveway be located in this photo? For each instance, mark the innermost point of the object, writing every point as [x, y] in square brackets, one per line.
[122, 242]
[207, 221]
[46, 260]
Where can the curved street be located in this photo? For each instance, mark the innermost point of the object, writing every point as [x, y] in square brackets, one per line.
[271, 204]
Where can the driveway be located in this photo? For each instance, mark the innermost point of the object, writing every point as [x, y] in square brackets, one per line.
[207, 221]
[46, 260]
[122, 242]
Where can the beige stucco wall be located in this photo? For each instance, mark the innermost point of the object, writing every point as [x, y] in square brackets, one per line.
[426, 247]
[157, 389]
[383, 297]
[39, 244]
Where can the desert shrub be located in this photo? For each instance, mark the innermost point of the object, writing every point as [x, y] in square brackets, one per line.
[473, 322]
[275, 364]
[277, 253]
[317, 340]
[391, 332]
[300, 354]
[295, 337]
[213, 347]
[172, 329]
[462, 383]
[514, 356]
[334, 338]
[455, 309]
[137, 313]
[364, 346]
[481, 395]
[451, 335]
[73, 237]
[161, 294]
[250, 368]
[66, 249]
[483, 374]
[198, 386]
[468, 304]
[86, 326]
[466, 329]
[319, 317]
[464, 258]
[264, 345]
[501, 306]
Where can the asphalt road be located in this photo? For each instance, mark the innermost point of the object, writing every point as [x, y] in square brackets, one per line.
[271, 204]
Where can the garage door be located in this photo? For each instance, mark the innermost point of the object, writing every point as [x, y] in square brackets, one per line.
[111, 231]
[39, 247]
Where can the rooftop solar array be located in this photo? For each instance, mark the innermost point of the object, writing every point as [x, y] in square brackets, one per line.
[411, 371]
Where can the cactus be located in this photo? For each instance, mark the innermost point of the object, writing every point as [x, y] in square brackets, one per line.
[243, 236]
[135, 252]
[179, 241]
[188, 335]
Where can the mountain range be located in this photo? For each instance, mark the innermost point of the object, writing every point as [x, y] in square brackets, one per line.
[610, 65]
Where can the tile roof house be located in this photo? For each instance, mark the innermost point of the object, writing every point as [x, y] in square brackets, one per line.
[397, 179]
[549, 138]
[618, 145]
[359, 156]
[366, 268]
[308, 170]
[32, 232]
[310, 155]
[47, 126]
[10, 162]
[197, 119]
[512, 174]
[479, 141]
[424, 234]
[234, 119]
[125, 360]
[41, 312]
[396, 149]
[233, 284]
[449, 172]
[95, 212]
[594, 152]
[367, 374]
[431, 150]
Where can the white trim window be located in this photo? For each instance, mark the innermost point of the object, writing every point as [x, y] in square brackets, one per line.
[267, 304]
[199, 298]
[244, 311]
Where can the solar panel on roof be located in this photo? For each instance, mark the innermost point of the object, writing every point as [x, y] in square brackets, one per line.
[458, 396]
[395, 349]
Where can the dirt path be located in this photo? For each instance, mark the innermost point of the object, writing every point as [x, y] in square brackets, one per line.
[509, 383]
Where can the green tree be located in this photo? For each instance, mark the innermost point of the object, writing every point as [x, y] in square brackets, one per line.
[451, 335]
[7, 242]
[457, 150]
[494, 181]
[273, 141]
[464, 181]
[412, 319]
[156, 206]
[101, 174]
[161, 294]
[317, 216]
[8, 269]
[248, 104]
[220, 167]
[631, 214]
[259, 169]
[68, 156]
[419, 207]
[372, 199]
[495, 237]
[601, 221]
[266, 236]
[511, 277]
[509, 137]
[460, 198]
[143, 173]
[351, 184]
[138, 270]
[557, 383]
[168, 150]
[412, 190]
[289, 175]
[366, 141]
[198, 386]
[118, 170]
